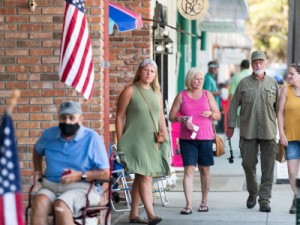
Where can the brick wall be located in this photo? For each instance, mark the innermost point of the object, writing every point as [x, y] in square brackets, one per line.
[127, 49]
[29, 56]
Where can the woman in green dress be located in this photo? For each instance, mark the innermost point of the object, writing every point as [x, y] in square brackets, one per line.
[139, 117]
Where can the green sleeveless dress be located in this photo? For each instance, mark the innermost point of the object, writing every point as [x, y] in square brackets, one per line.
[140, 153]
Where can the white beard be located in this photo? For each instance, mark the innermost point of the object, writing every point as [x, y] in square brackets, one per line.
[259, 71]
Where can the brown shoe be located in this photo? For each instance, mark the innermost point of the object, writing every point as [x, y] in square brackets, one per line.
[251, 201]
[154, 220]
[138, 219]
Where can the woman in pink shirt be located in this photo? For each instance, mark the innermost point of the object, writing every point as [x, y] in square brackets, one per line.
[197, 108]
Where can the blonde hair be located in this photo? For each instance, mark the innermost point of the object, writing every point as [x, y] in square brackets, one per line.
[155, 84]
[190, 75]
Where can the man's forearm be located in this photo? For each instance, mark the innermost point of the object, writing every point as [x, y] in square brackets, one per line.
[37, 161]
[97, 174]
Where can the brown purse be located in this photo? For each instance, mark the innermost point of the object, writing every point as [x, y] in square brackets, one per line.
[158, 135]
[280, 153]
[220, 149]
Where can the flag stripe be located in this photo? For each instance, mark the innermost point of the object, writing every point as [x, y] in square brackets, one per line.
[76, 60]
[11, 212]
[83, 51]
[1, 210]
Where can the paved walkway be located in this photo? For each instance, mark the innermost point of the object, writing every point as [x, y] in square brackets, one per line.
[226, 200]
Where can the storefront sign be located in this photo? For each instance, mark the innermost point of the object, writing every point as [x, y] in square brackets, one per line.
[192, 9]
[218, 27]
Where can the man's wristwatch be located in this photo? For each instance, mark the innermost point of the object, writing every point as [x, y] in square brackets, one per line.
[83, 176]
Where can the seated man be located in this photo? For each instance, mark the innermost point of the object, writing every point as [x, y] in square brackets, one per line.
[74, 156]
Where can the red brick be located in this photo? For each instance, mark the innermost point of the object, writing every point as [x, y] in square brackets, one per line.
[41, 52]
[41, 68]
[42, 101]
[17, 85]
[16, 35]
[27, 108]
[53, 93]
[7, 11]
[17, 19]
[41, 19]
[37, 117]
[22, 133]
[51, 43]
[28, 125]
[43, 35]
[29, 27]
[7, 26]
[53, 11]
[29, 60]
[17, 52]
[43, 85]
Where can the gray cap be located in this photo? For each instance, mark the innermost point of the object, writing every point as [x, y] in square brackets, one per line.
[258, 55]
[70, 108]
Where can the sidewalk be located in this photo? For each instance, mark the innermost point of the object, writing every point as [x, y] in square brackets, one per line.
[226, 200]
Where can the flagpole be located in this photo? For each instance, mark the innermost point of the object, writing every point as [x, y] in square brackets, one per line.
[13, 101]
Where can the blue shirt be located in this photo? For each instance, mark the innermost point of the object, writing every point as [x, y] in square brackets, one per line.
[86, 151]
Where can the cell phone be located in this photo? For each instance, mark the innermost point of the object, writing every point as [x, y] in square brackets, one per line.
[65, 172]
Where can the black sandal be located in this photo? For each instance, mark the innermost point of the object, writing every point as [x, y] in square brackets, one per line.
[186, 211]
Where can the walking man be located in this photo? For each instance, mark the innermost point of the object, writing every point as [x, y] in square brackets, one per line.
[257, 94]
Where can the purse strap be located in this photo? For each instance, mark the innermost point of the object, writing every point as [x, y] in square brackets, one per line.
[147, 106]
[212, 122]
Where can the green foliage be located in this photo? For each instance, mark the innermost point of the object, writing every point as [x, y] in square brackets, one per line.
[268, 27]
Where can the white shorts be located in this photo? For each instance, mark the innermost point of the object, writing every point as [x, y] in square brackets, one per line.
[72, 194]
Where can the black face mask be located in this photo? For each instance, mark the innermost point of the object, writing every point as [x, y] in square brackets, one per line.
[68, 129]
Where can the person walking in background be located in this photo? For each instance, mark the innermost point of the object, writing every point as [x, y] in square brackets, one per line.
[139, 116]
[288, 125]
[210, 81]
[244, 71]
[74, 156]
[197, 108]
[257, 95]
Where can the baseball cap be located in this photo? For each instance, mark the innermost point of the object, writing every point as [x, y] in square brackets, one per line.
[213, 64]
[258, 55]
[70, 108]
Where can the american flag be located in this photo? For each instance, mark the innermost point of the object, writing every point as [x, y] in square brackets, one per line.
[76, 67]
[10, 184]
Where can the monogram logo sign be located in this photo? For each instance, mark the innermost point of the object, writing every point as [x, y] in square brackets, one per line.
[192, 9]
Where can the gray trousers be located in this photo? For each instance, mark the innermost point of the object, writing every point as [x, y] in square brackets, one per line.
[249, 151]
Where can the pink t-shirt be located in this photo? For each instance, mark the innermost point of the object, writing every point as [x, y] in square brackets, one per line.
[194, 108]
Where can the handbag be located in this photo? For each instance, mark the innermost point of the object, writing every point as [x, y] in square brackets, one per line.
[158, 135]
[280, 153]
[220, 149]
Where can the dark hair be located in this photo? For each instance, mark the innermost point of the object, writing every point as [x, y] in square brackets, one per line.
[213, 63]
[245, 64]
[296, 66]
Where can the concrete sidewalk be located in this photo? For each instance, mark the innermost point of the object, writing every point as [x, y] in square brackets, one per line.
[226, 200]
